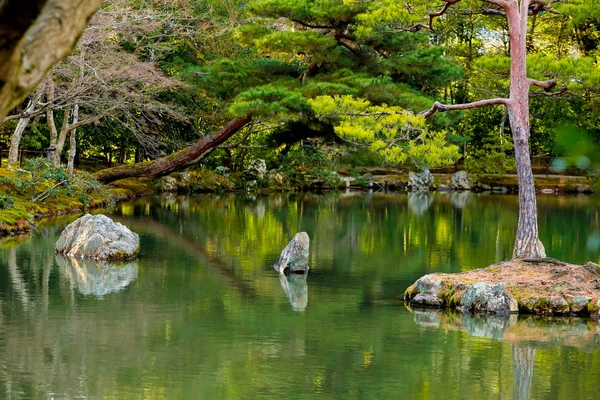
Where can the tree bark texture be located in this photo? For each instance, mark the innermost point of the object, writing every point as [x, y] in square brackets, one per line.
[73, 142]
[527, 244]
[35, 35]
[15, 140]
[181, 159]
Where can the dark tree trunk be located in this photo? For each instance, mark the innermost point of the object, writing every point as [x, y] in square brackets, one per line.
[181, 159]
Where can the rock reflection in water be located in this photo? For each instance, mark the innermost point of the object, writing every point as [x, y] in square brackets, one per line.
[296, 288]
[525, 334]
[419, 202]
[97, 278]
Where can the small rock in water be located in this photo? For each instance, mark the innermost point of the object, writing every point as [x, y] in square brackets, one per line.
[98, 237]
[295, 255]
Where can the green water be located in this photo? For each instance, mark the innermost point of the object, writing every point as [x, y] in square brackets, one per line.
[203, 314]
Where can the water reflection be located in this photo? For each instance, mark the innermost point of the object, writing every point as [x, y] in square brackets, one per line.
[206, 316]
[525, 335]
[97, 278]
[419, 202]
[296, 288]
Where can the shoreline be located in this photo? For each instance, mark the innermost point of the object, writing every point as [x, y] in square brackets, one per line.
[23, 219]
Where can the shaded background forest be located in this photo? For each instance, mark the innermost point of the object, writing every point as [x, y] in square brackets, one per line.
[150, 77]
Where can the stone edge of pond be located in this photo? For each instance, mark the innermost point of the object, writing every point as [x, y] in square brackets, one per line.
[533, 286]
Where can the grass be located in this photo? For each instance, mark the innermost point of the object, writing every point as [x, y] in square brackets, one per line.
[75, 199]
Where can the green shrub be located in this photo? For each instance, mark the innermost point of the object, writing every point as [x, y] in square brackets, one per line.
[489, 160]
[6, 202]
[207, 181]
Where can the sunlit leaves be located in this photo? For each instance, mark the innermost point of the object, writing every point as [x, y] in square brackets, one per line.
[394, 132]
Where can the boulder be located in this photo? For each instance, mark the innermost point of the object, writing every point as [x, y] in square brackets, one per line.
[252, 185]
[294, 257]
[547, 191]
[426, 300]
[492, 299]
[257, 168]
[443, 188]
[578, 304]
[396, 185]
[369, 179]
[583, 188]
[167, 184]
[420, 181]
[485, 187]
[276, 179]
[427, 285]
[347, 180]
[98, 237]
[222, 170]
[460, 181]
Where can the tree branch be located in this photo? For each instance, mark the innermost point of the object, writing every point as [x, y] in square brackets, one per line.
[439, 107]
[546, 85]
[93, 119]
[305, 24]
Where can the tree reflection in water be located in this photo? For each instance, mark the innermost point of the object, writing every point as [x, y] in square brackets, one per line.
[525, 334]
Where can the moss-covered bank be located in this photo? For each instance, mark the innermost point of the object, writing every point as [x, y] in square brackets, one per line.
[18, 211]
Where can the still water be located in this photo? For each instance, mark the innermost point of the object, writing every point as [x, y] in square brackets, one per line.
[203, 315]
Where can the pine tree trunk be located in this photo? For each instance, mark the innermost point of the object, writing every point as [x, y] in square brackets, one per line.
[527, 244]
[181, 159]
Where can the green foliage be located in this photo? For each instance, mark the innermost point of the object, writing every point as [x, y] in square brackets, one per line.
[490, 160]
[330, 179]
[6, 202]
[269, 101]
[399, 135]
[85, 200]
[205, 180]
[41, 180]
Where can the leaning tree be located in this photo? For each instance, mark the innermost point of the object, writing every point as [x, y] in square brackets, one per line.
[517, 13]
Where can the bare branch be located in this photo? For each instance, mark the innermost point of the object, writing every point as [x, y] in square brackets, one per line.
[546, 85]
[439, 107]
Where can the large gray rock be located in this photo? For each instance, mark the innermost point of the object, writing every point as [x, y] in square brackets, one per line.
[420, 181]
[257, 168]
[428, 285]
[167, 184]
[98, 237]
[460, 181]
[485, 298]
[295, 255]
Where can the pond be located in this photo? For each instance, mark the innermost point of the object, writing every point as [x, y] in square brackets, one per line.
[203, 314]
